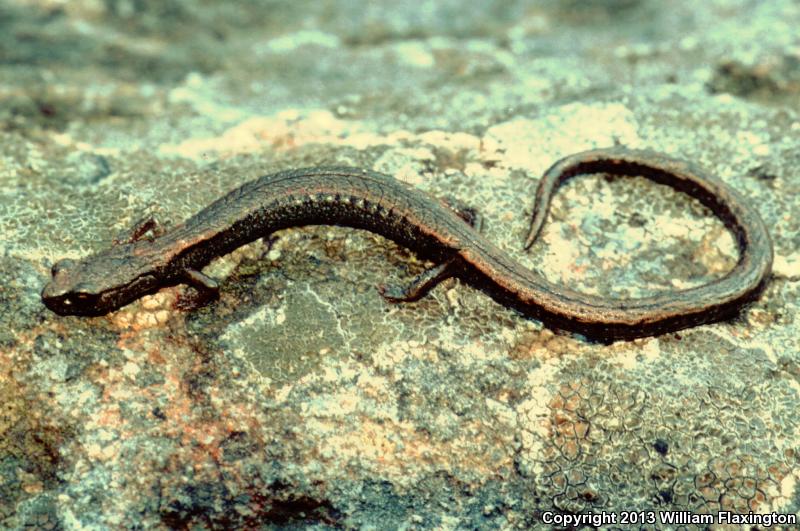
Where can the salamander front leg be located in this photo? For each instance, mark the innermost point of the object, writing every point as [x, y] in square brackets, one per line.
[146, 228]
[206, 289]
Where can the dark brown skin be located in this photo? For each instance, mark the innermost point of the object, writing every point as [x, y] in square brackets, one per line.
[367, 200]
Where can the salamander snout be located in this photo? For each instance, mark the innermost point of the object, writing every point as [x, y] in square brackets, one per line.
[64, 294]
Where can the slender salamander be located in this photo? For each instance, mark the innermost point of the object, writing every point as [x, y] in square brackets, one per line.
[378, 203]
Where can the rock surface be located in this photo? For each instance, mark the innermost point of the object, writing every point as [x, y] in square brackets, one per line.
[301, 398]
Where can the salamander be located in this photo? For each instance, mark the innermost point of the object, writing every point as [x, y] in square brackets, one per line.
[363, 199]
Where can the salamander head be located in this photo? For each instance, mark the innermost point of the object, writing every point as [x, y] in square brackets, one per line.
[100, 283]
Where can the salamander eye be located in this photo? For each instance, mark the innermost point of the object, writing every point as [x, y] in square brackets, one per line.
[82, 291]
[61, 265]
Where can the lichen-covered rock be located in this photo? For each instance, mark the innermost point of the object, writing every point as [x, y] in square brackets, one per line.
[301, 397]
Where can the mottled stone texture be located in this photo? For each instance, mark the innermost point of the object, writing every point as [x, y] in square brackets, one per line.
[301, 398]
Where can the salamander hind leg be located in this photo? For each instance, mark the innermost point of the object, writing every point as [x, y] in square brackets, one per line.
[431, 277]
[466, 212]
[422, 283]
